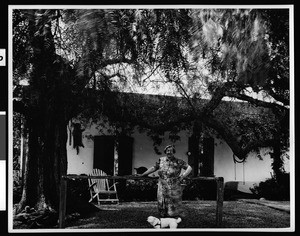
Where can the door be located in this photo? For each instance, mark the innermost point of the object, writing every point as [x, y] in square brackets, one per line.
[125, 153]
[104, 153]
[193, 155]
[207, 167]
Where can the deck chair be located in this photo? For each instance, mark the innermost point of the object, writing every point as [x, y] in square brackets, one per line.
[104, 190]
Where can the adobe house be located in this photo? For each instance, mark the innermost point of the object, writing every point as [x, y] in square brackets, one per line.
[121, 154]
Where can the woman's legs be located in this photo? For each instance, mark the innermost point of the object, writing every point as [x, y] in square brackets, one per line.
[170, 201]
[161, 201]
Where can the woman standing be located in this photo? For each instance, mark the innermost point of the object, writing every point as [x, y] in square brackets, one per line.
[169, 191]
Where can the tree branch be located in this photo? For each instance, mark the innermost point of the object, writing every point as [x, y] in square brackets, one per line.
[119, 60]
[152, 72]
[254, 101]
[186, 96]
[217, 97]
[232, 139]
[285, 101]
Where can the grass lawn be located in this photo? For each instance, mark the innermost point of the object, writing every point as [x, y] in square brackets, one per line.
[200, 215]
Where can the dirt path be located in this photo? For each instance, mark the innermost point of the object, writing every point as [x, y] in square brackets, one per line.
[278, 205]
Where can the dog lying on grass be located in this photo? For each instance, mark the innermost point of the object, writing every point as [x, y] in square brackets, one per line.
[158, 223]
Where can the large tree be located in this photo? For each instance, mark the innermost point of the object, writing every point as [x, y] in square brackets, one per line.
[73, 59]
[55, 90]
[248, 50]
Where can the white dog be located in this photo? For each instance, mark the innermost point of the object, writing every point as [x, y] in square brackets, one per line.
[163, 222]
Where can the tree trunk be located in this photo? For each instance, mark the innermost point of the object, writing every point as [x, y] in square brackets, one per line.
[194, 147]
[47, 162]
[32, 178]
[277, 164]
[55, 159]
[47, 119]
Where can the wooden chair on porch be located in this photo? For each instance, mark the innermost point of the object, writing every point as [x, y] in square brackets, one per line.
[104, 190]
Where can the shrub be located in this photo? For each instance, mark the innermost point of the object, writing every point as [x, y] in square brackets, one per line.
[78, 188]
[78, 196]
[137, 190]
[146, 190]
[199, 190]
[274, 188]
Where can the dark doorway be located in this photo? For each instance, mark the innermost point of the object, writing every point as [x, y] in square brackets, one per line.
[125, 151]
[104, 153]
[104, 147]
[193, 155]
[207, 167]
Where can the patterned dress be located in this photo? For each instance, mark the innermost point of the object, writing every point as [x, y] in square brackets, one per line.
[169, 191]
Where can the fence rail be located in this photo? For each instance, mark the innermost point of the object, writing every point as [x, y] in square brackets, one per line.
[65, 178]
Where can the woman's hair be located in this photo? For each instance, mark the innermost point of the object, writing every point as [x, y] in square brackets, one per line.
[170, 146]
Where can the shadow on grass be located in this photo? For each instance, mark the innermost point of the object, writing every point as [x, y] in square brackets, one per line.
[200, 215]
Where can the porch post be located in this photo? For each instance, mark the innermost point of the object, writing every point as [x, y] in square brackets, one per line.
[220, 198]
[62, 201]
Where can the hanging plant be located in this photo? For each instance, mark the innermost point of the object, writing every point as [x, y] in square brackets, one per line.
[77, 136]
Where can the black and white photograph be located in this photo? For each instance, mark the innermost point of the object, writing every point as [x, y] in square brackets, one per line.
[151, 118]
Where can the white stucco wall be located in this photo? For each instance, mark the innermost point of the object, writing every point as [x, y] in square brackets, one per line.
[254, 170]
[143, 151]
[83, 162]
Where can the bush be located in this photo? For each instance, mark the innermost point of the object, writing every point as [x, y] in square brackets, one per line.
[146, 190]
[274, 188]
[78, 196]
[137, 190]
[233, 193]
[200, 190]
[78, 188]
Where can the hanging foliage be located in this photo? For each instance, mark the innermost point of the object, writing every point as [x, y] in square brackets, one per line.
[77, 136]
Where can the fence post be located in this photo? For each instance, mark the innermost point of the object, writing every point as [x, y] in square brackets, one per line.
[220, 198]
[62, 201]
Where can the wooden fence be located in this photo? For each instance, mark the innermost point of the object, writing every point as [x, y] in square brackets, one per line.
[63, 193]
